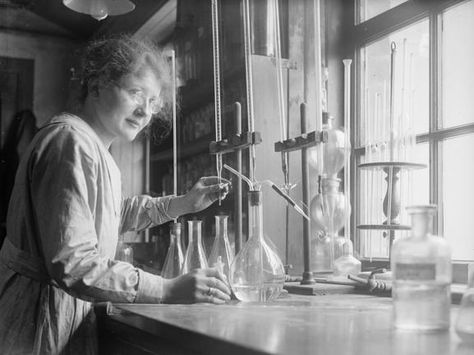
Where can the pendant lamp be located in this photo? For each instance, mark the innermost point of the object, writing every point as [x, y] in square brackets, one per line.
[100, 9]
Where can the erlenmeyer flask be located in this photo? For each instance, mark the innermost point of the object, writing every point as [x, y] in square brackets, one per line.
[333, 150]
[347, 264]
[256, 273]
[195, 257]
[174, 258]
[221, 254]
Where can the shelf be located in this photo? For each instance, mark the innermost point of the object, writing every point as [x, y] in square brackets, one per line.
[198, 146]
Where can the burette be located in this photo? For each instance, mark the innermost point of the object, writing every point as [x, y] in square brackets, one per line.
[249, 85]
[281, 95]
[175, 140]
[217, 84]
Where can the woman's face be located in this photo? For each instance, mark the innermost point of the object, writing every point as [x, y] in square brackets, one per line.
[125, 108]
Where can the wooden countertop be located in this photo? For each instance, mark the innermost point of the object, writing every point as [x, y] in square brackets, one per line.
[329, 325]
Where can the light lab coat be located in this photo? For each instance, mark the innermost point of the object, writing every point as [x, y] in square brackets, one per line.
[63, 223]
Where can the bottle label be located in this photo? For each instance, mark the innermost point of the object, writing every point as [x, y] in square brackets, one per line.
[418, 271]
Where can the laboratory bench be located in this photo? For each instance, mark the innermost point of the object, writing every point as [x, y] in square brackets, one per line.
[329, 324]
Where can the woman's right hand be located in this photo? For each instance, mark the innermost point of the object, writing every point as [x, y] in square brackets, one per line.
[199, 285]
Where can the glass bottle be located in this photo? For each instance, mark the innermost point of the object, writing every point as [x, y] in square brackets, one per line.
[328, 211]
[421, 268]
[256, 273]
[347, 264]
[221, 254]
[195, 257]
[174, 258]
[465, 319]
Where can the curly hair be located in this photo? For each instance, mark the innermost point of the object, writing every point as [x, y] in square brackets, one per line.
[107, 60]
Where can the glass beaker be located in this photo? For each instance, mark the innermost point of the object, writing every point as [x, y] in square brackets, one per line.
[421, 269]
[465, 319]
[195, 257]
[221, 254]
[333, 150]
[256, 273]
[174, 258]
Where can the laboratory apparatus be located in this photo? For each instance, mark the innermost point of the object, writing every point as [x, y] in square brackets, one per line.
[465, 319]
[124, 251]
[347, 264]
[328, 211]
[386, 158]
[221, 253]
[334, 150]
[195, 257]
[256, 273]
[174, 257]
[421, 272]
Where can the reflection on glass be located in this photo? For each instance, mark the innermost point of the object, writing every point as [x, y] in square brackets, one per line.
[457, 51]
[458, 184]
[372, 8]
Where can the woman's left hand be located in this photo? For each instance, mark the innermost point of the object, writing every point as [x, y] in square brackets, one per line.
[206, 191]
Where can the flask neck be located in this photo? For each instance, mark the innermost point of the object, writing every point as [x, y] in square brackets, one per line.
[221, 226]
[194, 232]
[421, 223]
[255, 214]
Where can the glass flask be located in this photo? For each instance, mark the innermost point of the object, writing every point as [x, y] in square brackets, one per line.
[333, 150]
[347, 264]
[221, 254]
[174, 258]
[256, 273]
[195, 257]
[124, 252]
[328, 211]
[421, 268]
[465, 319]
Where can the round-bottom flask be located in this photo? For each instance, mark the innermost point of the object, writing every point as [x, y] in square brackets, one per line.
[195, 257]
[174, 258]
[256, 273]
[221, 254]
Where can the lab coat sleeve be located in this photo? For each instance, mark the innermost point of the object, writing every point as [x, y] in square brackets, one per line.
[141, 212]
[64, 192]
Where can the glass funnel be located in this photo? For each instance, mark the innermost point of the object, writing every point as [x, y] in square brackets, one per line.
[221, 254]
[174, 258]
[195, 257]
[256, 273]
[333, 150]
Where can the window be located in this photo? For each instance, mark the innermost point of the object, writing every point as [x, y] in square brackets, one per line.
[432, 106]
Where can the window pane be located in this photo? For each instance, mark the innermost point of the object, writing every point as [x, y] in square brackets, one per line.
[458, 193]
[414, 190]
[411, 88]
[457, 66]
[372, 8]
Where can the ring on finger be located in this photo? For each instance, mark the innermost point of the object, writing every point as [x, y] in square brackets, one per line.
[210, 291]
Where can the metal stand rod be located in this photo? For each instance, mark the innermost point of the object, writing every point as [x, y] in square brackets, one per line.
[307, 273]
[238, 181]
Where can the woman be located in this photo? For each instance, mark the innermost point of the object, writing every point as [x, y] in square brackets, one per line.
[66, 212]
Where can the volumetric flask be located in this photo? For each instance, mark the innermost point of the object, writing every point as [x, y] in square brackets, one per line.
[174, 258]
[195, 257]
[257, 273]
[221, 254]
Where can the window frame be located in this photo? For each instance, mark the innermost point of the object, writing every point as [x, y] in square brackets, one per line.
[366, 32]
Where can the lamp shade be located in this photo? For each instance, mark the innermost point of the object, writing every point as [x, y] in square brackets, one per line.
[100, 9]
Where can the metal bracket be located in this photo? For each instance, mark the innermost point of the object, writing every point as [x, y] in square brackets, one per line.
[306, 140]
[235, 142]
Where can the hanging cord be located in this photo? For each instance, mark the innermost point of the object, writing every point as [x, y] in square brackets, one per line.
[249, 84]
[217, 84]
